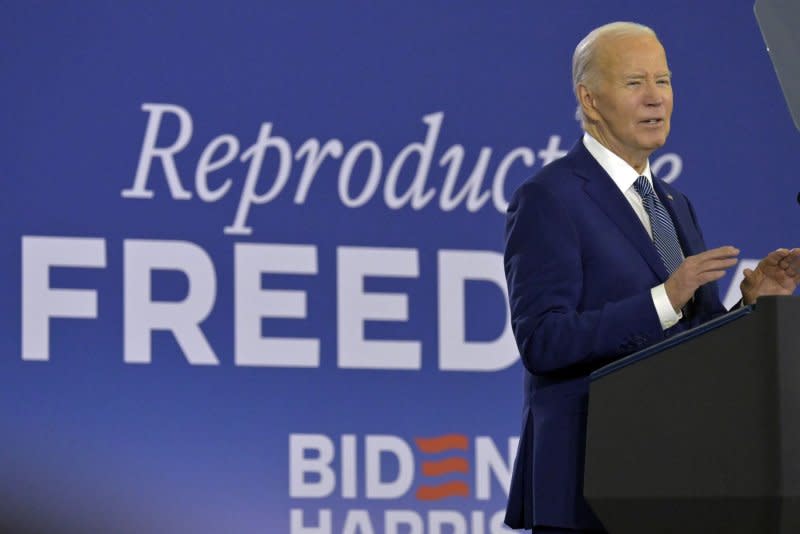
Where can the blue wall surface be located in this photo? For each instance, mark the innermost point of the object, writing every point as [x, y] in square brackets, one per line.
[252, 275]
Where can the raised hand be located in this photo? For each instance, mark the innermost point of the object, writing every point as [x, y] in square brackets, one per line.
[777, 274]
[696, 271]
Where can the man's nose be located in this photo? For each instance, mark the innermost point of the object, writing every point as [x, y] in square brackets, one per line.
[653, 95]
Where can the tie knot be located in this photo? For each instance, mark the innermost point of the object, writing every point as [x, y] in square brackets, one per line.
[643, 187]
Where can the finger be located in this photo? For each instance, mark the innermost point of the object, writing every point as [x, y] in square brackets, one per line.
[789, 267]
[774, 258]
[794, 268]
[720, 252]
[793, 259]
[715, 253]
[790, 260]
[710, 276]
[716, 264]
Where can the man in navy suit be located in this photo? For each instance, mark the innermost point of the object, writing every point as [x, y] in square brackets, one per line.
[598, 267]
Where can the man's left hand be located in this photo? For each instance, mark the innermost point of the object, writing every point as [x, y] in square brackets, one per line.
[777, 274]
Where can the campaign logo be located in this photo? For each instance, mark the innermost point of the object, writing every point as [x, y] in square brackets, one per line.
[366, 484]
[452, 462]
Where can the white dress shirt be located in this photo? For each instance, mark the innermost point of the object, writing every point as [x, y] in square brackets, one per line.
[624, 176]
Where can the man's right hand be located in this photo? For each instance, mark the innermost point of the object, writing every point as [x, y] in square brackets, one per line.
[696, 271]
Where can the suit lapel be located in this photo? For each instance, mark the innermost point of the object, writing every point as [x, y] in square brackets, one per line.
[604, 192]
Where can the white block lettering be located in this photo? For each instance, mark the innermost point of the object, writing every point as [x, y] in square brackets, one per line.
[455, 352]
[253, 303]
[40, 302]
[356, 306]
[377, 488]
[182, 318]
[319, 465]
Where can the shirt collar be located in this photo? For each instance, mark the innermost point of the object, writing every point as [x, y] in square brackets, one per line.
[623, 175]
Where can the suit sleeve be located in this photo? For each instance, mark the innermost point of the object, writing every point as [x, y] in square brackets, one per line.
[544, 272]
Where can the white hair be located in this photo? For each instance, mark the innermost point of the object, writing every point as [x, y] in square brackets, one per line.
[583, 59]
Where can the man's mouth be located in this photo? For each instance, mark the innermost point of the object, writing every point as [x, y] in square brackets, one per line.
[652, 121]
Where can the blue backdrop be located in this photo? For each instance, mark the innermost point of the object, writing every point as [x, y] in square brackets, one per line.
[251, 275]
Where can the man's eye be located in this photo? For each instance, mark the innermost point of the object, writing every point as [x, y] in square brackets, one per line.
[663, 82]
[632, 83]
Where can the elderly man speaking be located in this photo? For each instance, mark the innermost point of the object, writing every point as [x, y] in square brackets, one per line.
[602, 259]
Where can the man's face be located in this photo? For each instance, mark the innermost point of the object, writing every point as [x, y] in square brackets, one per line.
[630, 101]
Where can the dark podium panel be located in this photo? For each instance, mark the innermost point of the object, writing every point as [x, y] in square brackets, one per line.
[701, 433]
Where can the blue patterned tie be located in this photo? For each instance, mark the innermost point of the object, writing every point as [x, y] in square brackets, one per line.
[664, 236]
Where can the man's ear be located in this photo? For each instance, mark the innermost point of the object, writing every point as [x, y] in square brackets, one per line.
[588, 103]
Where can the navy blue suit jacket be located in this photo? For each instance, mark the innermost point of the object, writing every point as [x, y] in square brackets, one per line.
[580, 267]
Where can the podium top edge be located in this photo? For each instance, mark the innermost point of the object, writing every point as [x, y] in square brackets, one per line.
[670, 342]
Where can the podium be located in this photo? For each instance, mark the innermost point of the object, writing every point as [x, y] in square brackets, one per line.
[701, 433]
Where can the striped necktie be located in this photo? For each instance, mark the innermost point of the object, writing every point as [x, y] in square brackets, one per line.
[664, 236]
